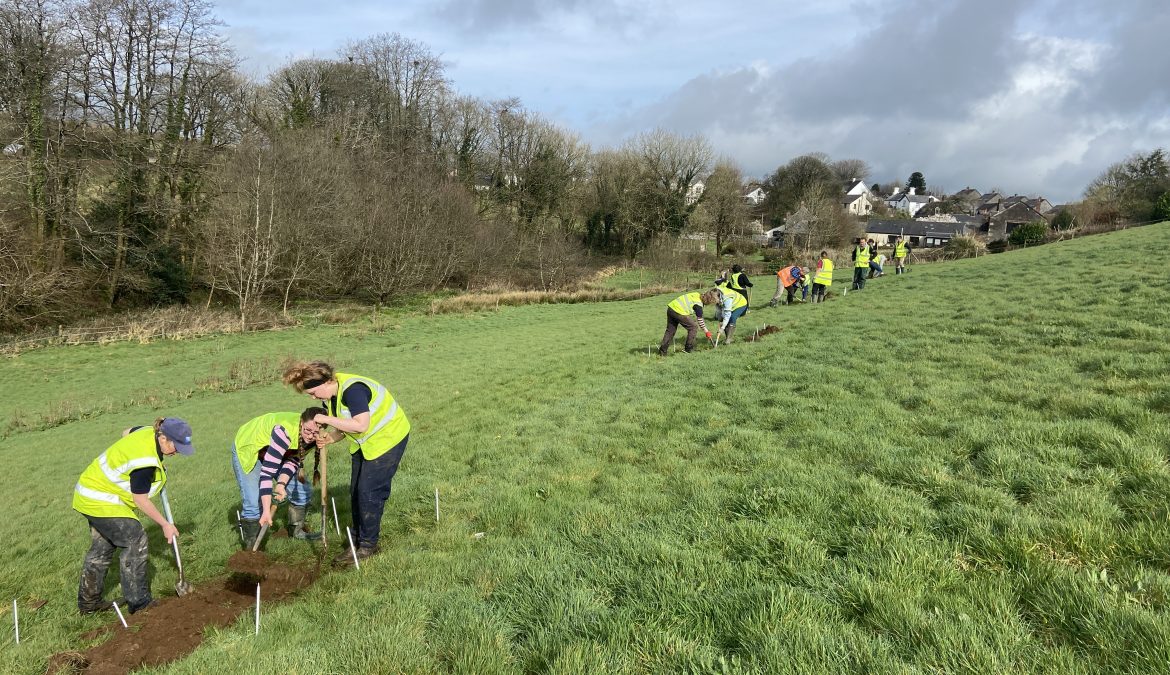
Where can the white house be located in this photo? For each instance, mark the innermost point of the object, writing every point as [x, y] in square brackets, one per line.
[857, 204]
[694, 191]
[755, 196]
[906, 200]
[858, 188]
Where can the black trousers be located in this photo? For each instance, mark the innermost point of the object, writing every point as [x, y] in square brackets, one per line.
[369, 488]
[107, 535]
[859, 277]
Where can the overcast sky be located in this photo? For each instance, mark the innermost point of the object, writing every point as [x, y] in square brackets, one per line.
[1029, 96]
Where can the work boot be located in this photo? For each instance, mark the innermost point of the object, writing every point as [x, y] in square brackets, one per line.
[296, 524]
[149, 605]
[251, 531]
[103, 606]
[727, 333]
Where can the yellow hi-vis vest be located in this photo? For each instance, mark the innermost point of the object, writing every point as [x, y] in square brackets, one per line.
[824, 275]
[103, 491]
[862, 257]
[256, 434]
[900, 250]
[733, 282]
[737, 299]
[388, 423]
[685, 304]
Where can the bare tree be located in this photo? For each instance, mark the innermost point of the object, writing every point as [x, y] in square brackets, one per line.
[724, 203]
[850, 170]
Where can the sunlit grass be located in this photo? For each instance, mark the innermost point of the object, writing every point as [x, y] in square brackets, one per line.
[961, 469]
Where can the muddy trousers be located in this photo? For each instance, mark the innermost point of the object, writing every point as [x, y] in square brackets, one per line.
[106, 536]
[818, 294]
[369, 488]
[673, 321]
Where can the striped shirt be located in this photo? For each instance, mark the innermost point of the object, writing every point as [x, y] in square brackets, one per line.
[276, 461]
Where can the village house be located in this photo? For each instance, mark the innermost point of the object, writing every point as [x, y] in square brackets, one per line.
[918, 233]
[909, 200]
[1001, 223]
[754, 194]
[857, 204]
[695, 191]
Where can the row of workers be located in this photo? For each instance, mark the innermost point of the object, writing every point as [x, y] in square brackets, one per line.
[268, 456]
[732, 292]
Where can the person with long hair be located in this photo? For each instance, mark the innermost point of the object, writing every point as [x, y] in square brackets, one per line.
[378, 430]
[268, 459]
[120, 480]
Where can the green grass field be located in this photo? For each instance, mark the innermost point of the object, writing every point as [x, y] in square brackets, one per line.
[961, 469]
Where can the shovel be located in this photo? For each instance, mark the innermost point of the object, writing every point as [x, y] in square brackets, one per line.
[181, 587]
[260, 538]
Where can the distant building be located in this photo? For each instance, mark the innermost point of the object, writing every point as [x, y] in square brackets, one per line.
[857, 204]
[919, 233]
[909, 200]
[695, 191]
[754, 194]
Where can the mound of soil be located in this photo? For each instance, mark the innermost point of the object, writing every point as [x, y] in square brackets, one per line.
[766, 330]
[253, 563]
[175, 626]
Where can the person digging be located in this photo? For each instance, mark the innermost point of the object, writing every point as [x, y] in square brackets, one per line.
[730, 306]
[123, 478]
[687, 311]
[377, 431]
[268, 460]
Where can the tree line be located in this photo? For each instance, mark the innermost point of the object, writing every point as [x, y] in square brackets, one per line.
[141, 168]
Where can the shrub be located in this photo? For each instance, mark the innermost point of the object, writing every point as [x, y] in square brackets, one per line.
[1064, 220]
[997, 246]
[964, 247]
[1029, 234]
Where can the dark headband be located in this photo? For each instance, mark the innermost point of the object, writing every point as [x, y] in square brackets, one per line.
[313, 384]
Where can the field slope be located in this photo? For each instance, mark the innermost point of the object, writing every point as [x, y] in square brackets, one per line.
[961, 469]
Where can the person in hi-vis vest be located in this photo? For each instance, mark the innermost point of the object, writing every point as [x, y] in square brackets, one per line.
[788, 279]
[737, 280]
[687, 311]
[823, 278]
[901, 252]
[731, 306]
[861, 254]
[268, 458]
[378, 430]
[120, 480]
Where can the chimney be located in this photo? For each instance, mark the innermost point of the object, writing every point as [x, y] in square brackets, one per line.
[910, 191]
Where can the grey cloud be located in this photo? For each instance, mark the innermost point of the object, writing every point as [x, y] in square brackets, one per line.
[914, 93]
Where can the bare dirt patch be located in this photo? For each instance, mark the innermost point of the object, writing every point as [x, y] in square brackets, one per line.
[174, 628]
[766, 330]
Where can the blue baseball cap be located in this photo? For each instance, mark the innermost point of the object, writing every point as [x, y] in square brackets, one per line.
[179, 433]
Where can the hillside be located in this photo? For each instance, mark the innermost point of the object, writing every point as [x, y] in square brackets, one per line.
[961, 469]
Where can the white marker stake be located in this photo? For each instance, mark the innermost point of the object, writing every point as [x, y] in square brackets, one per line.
[436, 505]
[240, 524]
[351, 548]
[336, 526]
[120, 617]
[16, 621]
[257, 609]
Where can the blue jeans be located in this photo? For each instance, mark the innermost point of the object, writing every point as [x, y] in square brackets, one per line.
[299, 493]
[736, 314]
